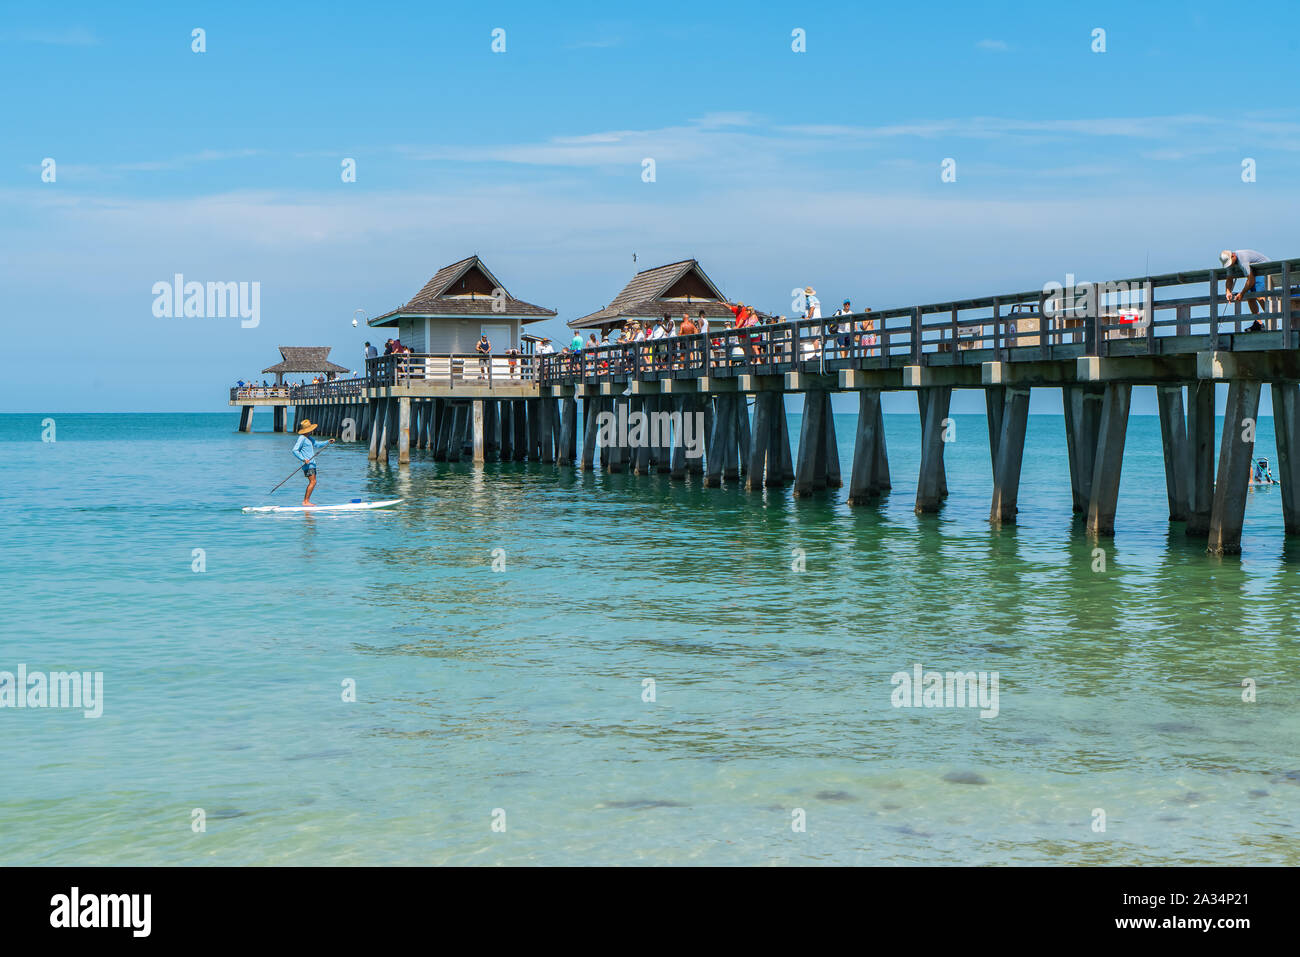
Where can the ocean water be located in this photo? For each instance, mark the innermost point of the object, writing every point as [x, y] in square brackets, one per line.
[517, 695]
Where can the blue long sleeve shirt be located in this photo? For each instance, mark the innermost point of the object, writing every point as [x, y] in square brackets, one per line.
[306, 447]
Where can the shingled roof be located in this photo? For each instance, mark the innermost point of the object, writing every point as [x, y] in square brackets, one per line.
[305, 359]
[664, 289]
[464, 288]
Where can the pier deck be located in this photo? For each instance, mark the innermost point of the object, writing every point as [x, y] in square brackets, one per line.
[1093, 341]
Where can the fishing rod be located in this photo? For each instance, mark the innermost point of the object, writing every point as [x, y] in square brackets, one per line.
[299, 468]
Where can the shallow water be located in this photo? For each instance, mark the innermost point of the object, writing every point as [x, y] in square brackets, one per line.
[521, 690]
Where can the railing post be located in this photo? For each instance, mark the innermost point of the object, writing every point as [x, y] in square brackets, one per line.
[1214, 312]
[1286, 302]
[1149, 313]
[916, 336]
[997, 329]
[956, 333]
[1044, 345]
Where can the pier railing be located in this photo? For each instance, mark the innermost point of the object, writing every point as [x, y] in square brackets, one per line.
[1147, 315]
[259, 392]
[333, 389]
[451, 369]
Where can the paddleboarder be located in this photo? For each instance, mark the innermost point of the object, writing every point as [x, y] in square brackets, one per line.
[305, 450]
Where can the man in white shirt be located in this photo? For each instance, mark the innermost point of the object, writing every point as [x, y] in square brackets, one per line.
[1243, 260]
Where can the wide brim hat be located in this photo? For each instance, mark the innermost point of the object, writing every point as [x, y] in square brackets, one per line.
[810, 290]
[307, 425]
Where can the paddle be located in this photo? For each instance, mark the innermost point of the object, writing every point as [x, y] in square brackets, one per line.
[299, 468]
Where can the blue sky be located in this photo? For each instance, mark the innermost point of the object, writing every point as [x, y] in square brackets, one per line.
[774, 168]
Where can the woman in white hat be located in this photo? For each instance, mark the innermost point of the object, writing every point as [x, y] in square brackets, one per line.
[305, 450]
[812, 305]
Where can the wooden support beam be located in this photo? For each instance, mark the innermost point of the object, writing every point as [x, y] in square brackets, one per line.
[534, 429]
[1236, 456]
[1011, 453]
[862, 478]
[933, 402]
[277, 418]
[507, 420]
[519, 433]
[881, 478]
[590, 408]
[782, 421]
[700, 410]
[1173, 441]
[546, 430]
[386, 431]
[456, 436]
[404, 431]
[1286, 427]
[677, 470]
[375, 405]
[810, 476]
[833, 477]
[721, 439]
[480, 444]
[1109, 460]
[246, 418]
[744, 433]
[995, 401]
[1083, 421]
[1200, 450]
[760, 442]
[568, 430]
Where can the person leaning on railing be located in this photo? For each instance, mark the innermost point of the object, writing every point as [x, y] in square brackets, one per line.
[1244, 261]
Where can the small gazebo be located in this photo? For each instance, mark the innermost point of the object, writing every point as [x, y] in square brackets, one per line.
[304, 360]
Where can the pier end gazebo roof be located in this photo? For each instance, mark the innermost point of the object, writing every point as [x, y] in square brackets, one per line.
[297, 360]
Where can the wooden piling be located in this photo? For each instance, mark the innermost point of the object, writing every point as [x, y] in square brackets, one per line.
[810, 475]
[568, 430]
[374, 431]
[1109, 458]
[1200, 447]
[480, 446]
[862, 478]
[403, 431]
[933, 402]
[1173, 441]
[590, 409]
[1014, 420]
[760, 442]
[1236, 456]
[246, 418]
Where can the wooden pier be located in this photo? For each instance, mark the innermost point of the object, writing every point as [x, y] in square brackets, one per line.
[1094, 343]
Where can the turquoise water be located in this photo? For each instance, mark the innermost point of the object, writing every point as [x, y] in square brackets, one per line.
[521, 689]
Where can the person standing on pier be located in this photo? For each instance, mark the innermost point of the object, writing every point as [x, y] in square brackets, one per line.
[812, 305]
[305, 450]
[484, 349]
[1244, 260]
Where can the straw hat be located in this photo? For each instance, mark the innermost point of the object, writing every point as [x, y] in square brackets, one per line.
[810, 290]
[305, 426]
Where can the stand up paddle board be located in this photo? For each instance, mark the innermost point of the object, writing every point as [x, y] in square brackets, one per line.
[355, 505]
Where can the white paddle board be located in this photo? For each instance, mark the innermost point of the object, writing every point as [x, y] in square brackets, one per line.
[355, 505]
